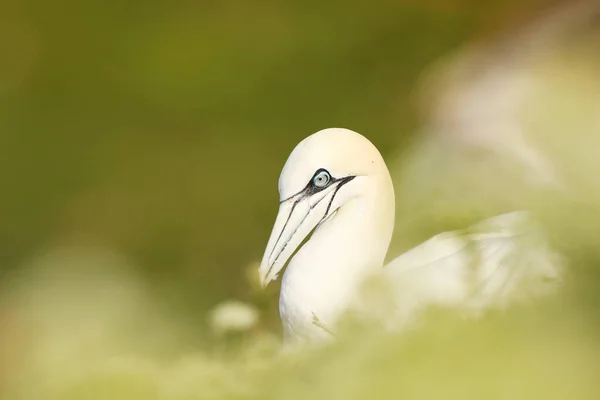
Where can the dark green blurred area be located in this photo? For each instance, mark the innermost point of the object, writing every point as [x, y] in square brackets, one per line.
[158, 129]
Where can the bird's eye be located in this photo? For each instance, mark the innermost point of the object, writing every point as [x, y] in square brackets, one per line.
[321, 179]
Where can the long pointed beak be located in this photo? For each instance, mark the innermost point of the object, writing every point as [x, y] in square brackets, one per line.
[295, 220]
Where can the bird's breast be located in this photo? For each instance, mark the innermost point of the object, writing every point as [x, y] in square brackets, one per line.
[312, 299]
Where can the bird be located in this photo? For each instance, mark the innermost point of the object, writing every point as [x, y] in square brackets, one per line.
[333, 229]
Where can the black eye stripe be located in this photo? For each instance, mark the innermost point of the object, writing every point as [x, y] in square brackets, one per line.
[311, 189]
[340, 182]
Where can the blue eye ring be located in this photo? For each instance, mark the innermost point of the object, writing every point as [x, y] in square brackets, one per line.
[321, 179]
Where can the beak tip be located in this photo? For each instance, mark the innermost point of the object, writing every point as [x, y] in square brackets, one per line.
[263, 276]
[266, 277]
[264, 281]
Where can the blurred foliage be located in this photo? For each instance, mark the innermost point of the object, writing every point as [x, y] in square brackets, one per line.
[98, 336]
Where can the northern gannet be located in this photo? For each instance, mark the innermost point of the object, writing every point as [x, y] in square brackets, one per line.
[336, 185]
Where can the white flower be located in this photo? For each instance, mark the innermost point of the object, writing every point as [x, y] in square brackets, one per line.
[233, 315]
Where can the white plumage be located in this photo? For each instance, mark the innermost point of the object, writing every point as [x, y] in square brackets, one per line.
[336, 185]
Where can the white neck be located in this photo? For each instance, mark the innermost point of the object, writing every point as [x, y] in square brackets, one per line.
[324, 275]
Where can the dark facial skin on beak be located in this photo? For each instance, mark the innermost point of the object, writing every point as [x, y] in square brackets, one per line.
[309, 190]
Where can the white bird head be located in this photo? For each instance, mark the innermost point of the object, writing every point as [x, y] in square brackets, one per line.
[323, 174]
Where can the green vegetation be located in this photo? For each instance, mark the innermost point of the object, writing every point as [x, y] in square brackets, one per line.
[140, 146]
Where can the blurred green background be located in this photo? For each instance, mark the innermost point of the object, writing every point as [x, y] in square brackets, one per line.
[158, 129]
[155, 131]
